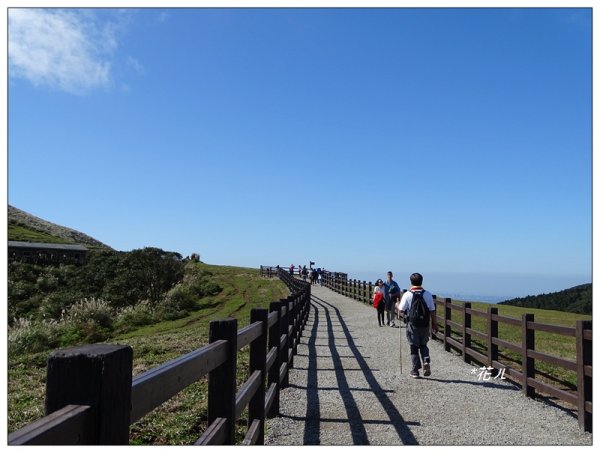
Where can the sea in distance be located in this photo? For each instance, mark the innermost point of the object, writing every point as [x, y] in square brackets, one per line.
[480, 287]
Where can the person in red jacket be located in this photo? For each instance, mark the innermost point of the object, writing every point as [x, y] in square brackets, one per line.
[379, 302]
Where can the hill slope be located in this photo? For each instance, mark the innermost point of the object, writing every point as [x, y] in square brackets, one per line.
[576, 300]
[23, 226]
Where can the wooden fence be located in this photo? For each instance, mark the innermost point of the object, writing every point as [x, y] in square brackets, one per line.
[91, 397]
[460, 337]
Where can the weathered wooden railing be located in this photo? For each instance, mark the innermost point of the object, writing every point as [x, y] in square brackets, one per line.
[91, 397]
[580, 397]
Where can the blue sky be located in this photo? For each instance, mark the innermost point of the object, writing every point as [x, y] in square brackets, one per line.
[453, 142]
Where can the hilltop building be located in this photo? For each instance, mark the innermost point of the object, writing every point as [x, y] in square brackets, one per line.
[43, 253]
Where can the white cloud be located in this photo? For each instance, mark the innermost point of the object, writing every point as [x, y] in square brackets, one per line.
[136, 65]
[62, 49]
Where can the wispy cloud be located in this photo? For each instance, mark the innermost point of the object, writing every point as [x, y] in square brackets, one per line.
[135, 65]
[162, 16]
[63, 49]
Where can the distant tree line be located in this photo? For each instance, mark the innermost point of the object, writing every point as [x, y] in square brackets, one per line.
[112, 292]
[576, 300]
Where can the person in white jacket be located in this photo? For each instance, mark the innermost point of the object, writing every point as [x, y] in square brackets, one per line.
[418, 335]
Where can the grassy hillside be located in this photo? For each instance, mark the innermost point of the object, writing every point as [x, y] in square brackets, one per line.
[25, 234]
[576, 300]
[182, 419]
[554, 344]
[23, 226]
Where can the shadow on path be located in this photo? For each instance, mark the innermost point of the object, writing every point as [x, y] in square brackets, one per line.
[313, 418]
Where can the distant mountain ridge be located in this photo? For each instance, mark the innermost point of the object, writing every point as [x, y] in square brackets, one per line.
[576, 300]
[23, 226]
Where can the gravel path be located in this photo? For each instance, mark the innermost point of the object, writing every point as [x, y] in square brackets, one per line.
[346, 389]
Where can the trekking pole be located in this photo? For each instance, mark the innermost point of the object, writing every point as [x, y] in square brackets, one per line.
[400, 349]
[400, 336]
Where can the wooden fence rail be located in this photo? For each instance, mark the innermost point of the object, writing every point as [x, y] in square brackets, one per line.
[92, 399]
[581, 397]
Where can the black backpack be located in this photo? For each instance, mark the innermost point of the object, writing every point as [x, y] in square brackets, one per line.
[419, 312]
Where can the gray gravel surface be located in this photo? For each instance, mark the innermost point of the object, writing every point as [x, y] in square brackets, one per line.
[346, 388]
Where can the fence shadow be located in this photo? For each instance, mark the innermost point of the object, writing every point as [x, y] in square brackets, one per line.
[324, 312]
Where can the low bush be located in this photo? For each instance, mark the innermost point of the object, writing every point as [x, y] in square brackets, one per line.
[89, 311]
[134, 316]
[33, 336]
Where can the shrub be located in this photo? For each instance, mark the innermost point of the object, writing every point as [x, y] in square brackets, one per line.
[88, 321]
[92, 310]
[135, 315]
[29, 336]
[47, 282]
[55, 304]
[208, 288]
[145, 274]
[177, 302]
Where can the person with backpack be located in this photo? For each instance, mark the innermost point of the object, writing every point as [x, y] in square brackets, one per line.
[417, 303]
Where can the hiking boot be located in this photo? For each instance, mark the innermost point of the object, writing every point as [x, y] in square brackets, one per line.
[414, 374]
[426, 370]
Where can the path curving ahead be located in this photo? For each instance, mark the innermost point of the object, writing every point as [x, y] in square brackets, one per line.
[346, 389]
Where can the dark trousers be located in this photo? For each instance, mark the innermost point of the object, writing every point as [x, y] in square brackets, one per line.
[381, 313]
[414, 356]
[418, 338]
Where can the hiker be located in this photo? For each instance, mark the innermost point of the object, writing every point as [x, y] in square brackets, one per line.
[313, 277]
[391, 293]
[292, 269]
[417, 303]
[379, 302]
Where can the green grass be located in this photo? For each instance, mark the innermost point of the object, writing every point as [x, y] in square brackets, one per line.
[22, 233]
[554, 344]
[181, 420]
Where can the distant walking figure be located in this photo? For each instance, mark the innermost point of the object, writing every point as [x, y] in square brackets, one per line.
[379, 302]
[418, 304]
[391, 293]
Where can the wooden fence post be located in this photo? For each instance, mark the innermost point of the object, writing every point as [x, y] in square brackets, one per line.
[291, 330]
[275, 342]
[306, 304]
[283, 352]
[527, 363]
[297, 323]
[447, 317]
[301, 314]
[584, 382]
[99, 376]
[258, 362]
[221, 381]
[466, 343]
[492, 349]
